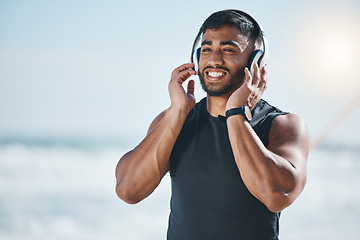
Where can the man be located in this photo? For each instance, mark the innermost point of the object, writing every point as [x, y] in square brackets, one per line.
[232, 173]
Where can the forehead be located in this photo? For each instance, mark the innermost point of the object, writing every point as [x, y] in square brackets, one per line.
[223, 34]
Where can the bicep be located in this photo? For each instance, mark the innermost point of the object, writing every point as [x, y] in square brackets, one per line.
[289, 138]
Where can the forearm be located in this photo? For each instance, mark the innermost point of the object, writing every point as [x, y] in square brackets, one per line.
[268, 176]
[140, 171]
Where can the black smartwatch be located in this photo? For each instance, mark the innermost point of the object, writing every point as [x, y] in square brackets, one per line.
[244, 110]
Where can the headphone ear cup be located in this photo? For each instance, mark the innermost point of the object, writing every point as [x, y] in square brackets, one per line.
[195, 58]
[198, 52]
[255, 57]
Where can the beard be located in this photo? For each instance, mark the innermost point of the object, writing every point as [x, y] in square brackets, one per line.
[234, 81]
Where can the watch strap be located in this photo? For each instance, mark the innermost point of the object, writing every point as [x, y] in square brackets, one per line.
[237, 111]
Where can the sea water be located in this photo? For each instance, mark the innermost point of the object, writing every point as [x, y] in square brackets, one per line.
[66, 191]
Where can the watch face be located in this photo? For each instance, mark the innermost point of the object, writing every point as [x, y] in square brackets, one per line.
[248, 113]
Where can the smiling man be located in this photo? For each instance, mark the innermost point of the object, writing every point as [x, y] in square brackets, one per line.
[235, 161]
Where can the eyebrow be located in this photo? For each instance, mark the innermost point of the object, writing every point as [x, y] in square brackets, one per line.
[232, 43]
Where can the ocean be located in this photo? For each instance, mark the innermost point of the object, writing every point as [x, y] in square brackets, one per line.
[67, 191]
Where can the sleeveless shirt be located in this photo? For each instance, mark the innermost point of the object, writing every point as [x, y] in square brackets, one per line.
[209, 199]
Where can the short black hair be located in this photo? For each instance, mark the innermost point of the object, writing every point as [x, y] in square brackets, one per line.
[234, 18]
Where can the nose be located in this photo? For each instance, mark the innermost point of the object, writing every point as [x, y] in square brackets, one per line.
[216, 58]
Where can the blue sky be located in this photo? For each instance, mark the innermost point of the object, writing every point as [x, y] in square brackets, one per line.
[99, 69]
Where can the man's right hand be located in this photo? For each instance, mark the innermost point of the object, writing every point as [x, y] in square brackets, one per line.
[181, 100]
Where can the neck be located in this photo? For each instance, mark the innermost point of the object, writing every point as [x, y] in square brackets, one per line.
[216, 105]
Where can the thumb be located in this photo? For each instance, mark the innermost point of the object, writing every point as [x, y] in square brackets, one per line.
[191, 87]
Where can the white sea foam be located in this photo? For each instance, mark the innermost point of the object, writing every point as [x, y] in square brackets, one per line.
[68, 193]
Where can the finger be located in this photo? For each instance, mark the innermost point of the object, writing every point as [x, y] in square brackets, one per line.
[264, 77]
[183, 67]
[191, 87]
[256, 75]
[248, 76]
[184, 75]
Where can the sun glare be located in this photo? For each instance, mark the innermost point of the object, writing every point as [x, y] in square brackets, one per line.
[328, 50]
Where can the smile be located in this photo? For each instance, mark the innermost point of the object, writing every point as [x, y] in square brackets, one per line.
[215, 74]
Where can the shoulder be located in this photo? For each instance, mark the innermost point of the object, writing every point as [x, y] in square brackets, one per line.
[289, 132]
[264, 113]
[288, 124]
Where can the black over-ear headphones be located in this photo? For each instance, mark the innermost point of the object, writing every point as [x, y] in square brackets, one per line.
[261, 57]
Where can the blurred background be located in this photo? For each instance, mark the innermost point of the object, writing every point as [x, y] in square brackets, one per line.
[80, 82]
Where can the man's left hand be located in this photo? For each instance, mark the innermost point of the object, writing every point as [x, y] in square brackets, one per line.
[250, 92]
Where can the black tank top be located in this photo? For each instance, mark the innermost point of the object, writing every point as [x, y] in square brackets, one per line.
[209, 199]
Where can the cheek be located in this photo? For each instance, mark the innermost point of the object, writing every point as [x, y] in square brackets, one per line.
[202, 61]
[240, 73]
[237, 66]
[201, 66]
[238, 69]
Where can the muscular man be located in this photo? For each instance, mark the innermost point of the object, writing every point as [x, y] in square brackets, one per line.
[232, 171]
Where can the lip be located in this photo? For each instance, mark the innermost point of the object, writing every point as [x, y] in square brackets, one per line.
[213, 74]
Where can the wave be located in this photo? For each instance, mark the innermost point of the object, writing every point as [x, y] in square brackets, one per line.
[65, 190]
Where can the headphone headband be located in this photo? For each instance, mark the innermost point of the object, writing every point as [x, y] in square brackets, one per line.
[259, 56]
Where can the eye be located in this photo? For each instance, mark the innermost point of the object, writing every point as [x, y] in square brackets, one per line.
[229, 50]
[205, 50]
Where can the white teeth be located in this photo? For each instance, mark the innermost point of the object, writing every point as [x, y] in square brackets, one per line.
[215, 74]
